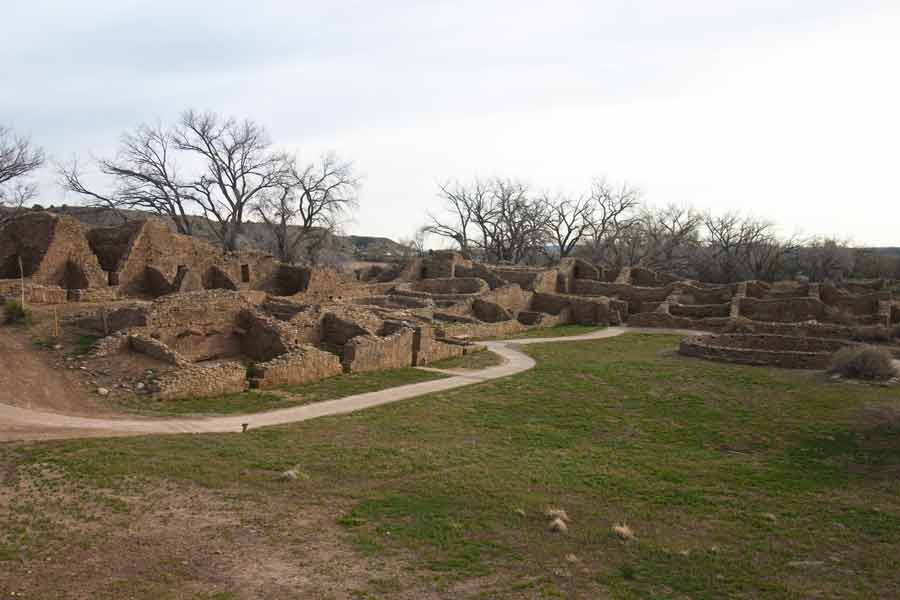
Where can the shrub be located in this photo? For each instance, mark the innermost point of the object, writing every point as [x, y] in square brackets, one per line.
[863, 362]
[15, 312]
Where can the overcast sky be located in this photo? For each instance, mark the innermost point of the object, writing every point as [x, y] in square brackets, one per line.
[789, 110]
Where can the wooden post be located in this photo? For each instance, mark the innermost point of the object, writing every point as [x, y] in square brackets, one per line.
[22, 280]
[55, 323]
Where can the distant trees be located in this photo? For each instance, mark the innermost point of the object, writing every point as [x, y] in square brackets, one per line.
[305, 210]
[502, 221]
[19, 158]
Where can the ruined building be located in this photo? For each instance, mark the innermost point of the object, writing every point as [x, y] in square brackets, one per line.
[220, 323]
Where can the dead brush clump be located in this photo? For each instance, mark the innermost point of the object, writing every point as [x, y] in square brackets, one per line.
[623, 532]
[863, 362]
[559, 520]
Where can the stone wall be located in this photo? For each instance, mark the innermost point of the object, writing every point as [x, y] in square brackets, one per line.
[302, 365]
[374, 353]
[196, 381]
[482, 330]
[587, 311]
[427, 348]
[11, 289]
[783, 310]
[543, 280]
[156, 349]
[770, 350]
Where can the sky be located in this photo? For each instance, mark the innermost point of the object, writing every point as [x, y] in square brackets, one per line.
[788, 111]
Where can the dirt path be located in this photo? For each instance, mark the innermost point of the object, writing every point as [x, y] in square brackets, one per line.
[19, 422]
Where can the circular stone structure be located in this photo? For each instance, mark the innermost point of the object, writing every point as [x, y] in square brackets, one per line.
[449, 289]
[784, 351]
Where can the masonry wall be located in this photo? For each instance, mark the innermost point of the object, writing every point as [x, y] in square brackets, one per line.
[783, 310]
[196, 381]
[302, 365]
[373, 353]
[587, 311]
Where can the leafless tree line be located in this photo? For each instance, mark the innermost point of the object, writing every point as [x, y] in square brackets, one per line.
[226, 170]
[503, 221]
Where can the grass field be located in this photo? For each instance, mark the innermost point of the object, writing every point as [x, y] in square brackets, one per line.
[284, 397]
[738, 482]
[558, 331]
[471, 361]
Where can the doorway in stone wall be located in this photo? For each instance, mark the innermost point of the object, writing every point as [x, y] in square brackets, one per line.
[74, 278]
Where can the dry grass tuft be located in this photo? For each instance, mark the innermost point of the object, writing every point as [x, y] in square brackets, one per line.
[556, 513]
[623, 531]
[558, 525]
[292, 475]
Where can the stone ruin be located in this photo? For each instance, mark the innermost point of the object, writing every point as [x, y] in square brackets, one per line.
[221, 323]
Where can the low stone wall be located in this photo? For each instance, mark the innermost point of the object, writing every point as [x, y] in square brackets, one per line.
[427, 348]
[483, 330]
[303, 365]
[700, 311]
[450, 285]
[198, 381]
[109, 345]
[666, 320]
[786, 310]
[789, 352]
[373, 353]
[156, 349]
[11, 289]
[93, 294]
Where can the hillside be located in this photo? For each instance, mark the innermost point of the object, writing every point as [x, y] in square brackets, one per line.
[255, 235]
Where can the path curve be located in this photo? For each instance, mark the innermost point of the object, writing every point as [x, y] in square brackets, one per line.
[23, 423]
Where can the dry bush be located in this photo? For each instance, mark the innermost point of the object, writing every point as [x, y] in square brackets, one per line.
[15, 312]
[863, 362]
[623, 531]
[556, 513]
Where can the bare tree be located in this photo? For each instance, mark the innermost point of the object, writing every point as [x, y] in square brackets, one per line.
[498, 219]
[238, 165]
[308, 205]
[467, 206]
[208, 163]
[822, 258]
[569, 221]
[611, 218]
[146, 178]
[19, 158]
[670, 236]
[414, 246]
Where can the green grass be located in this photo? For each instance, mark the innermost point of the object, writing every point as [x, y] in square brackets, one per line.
[474, 361]
[257, 401]
[84, 344]
[558, 331]
[739, 482]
